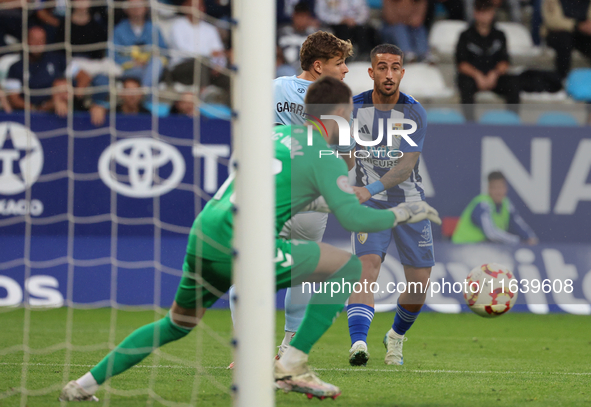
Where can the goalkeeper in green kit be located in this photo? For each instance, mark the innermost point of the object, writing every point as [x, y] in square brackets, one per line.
[305, 180]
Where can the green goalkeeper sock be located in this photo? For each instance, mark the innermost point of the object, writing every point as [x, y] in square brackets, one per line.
[324, 308]
[137, 346]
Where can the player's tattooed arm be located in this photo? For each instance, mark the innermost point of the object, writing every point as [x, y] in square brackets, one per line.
[401, 171]
[393, 177]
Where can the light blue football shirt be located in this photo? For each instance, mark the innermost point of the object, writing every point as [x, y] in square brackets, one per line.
[289, 93]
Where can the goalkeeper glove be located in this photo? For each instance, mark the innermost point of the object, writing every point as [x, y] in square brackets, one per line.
[413, 212]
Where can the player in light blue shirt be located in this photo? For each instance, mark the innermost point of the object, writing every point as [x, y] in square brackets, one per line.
[386, 176]
[322, 54]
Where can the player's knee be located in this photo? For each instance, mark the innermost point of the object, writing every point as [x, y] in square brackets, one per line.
[371, 267]
[369, 273]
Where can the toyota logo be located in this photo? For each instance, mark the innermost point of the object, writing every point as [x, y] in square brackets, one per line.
[142, 157]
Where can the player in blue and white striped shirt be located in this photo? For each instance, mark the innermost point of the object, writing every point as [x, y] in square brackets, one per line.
[388, 175]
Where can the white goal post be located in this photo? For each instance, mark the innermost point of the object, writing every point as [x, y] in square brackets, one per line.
[254, 271]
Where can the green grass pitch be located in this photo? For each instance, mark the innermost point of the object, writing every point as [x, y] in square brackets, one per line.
[450, 360]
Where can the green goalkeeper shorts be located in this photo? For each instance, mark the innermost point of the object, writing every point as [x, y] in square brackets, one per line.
[205, 281]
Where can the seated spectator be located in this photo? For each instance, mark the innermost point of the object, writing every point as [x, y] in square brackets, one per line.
[511, 7]
[192, 37]
[89, 67]
[492, 218]
[404, 25]
[132, 38]
[349, 19]
[131, 97]
[44, 68]
[292, 36]
[50, 18]
[60, 98]
[184, 105]
[84, 30]
[568, 24]
[482, 60]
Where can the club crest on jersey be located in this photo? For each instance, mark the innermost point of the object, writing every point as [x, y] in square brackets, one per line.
[398, 126]
[362, 237]
[343, 184]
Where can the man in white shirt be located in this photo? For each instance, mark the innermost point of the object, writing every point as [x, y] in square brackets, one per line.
[190, 36]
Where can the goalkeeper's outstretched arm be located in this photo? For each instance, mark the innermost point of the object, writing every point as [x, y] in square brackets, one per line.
[340, 199]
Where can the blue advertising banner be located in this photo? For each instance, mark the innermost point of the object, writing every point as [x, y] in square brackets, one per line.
[111, 207]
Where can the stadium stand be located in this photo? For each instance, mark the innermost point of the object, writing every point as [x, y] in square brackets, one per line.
[444, 35]
[578, 84]
[557, 119]
[357, 78]
[503, 117]
[445, 115]
[519, 41]
[414, 82]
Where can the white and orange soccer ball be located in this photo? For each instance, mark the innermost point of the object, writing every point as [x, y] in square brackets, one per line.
[487, 290]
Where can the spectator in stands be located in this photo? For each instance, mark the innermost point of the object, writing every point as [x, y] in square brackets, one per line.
[512, 8]
[483, 61]
[349, 20]
[285, 9]
[49, 18]
[292, 36]
[492, 218]
[133, 39]
[190, 36]
[44, 67]
[131, 97]
[404, 25]
[89, 67]
[568, 24]
[84, 30]
[184, 105]
[60, 98]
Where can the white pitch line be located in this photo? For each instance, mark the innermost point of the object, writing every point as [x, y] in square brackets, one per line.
[359, 370]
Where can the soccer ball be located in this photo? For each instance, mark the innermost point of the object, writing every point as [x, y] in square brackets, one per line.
[488, 290]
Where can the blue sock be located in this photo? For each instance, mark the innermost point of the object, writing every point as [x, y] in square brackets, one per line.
[360, 317]
[403, 320]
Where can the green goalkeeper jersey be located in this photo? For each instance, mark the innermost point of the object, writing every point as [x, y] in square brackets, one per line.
[302, 174]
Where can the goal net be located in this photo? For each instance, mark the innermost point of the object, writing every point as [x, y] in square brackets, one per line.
[95, 208]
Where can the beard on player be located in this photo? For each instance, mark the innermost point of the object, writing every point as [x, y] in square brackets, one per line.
[388, 88]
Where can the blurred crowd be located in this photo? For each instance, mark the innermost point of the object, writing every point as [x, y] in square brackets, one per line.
[188, 52]
[72, 62]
